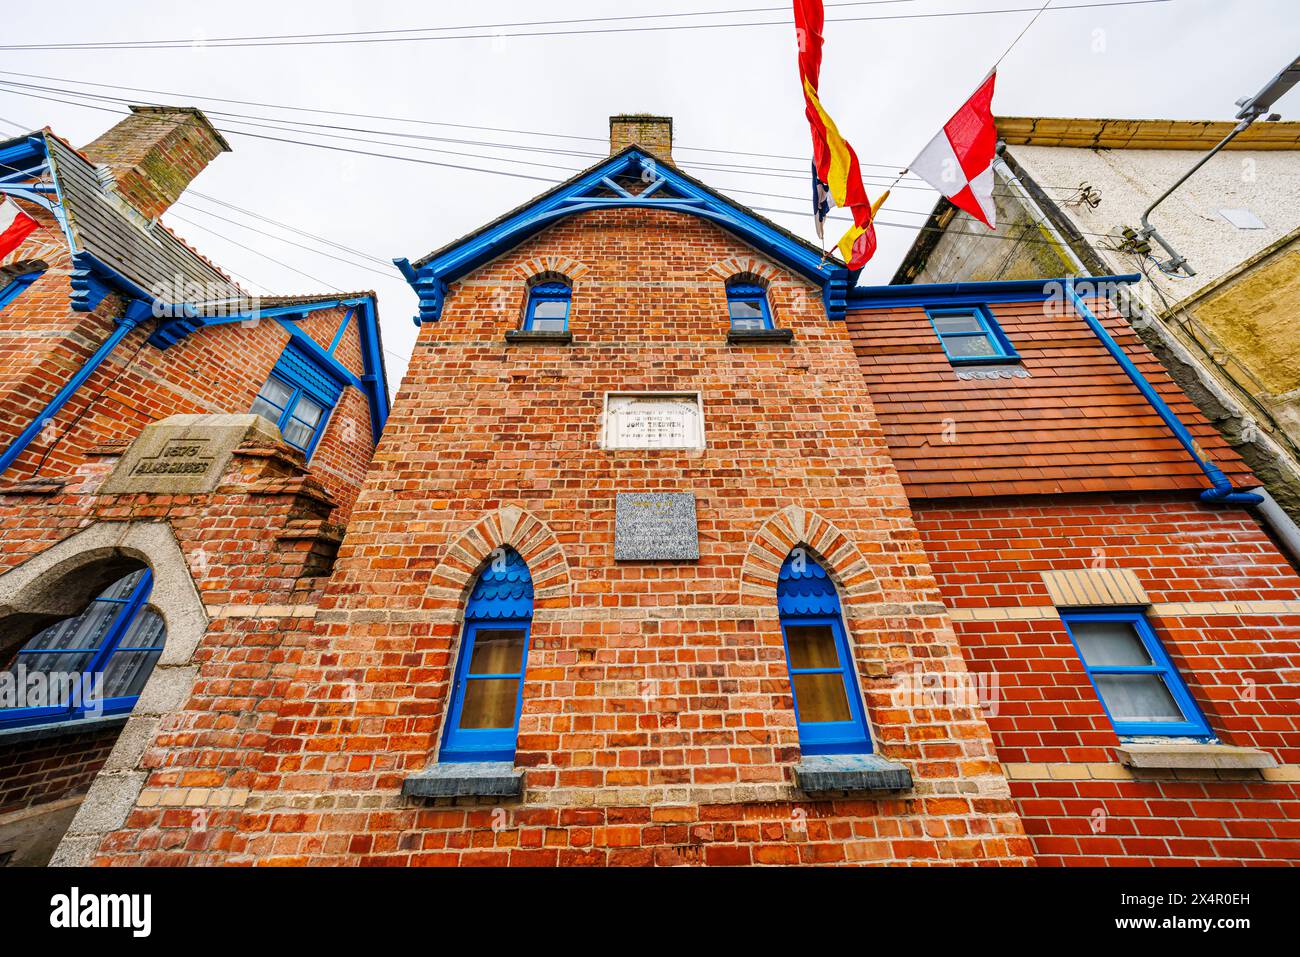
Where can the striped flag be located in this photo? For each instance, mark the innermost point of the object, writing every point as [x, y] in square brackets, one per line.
[15, 226]
[837, 178]
[958, 162]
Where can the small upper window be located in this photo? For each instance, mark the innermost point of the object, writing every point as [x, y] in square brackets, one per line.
[548, 307]
[15, 287]
[970, 334]
[298, 398]
[1134, 678]
[747, 305]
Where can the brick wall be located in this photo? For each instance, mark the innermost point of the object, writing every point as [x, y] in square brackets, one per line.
[38, 772]
[657, 725]
[1224, 605]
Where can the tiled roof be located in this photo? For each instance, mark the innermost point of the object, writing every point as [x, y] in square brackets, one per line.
[1074, 424]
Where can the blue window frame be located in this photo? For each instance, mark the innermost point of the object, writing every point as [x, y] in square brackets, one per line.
[747, 305]
[548, 307]
[970, 334]
[1133, 676]
[117, 640]
[298, 398]
[827, 704]
[17, 286]
[488, 694]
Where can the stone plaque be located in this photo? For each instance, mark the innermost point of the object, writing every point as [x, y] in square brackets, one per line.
[185, 454]
[668, 421]
[655, 527]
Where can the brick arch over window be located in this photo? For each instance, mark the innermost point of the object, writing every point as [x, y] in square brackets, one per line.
[763, 272]
[526, 534]
[833, 550]
[551, 268]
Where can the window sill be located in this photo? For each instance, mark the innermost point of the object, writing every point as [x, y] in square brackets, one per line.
[466, 779]
[740, 337]
[851, 772]
[58, 729]
[1177, 756]
[531, 337]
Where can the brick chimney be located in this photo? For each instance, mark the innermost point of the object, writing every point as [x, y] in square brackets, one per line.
[654, 134]
[155, 153]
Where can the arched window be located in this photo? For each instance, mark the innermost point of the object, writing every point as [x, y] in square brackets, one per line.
[93, 664]
[483, 717]
[827, 703]
[548, 307]
[747, 304]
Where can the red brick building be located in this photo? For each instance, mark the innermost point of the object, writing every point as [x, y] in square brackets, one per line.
[108, 323]
[680, 549]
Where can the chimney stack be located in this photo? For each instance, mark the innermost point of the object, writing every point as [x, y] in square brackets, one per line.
[654, 134]
[155, 153]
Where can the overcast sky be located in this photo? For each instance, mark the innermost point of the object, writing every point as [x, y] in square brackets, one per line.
[890, 84]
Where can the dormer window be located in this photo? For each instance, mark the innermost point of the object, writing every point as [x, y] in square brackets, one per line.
[747, 304]
[548, 307]
[970, 334]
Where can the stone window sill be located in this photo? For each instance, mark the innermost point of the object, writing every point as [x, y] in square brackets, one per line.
[1178, 756]
[467, 779]
[530, 337]
[851, 772]
[741, 337]
[59, 729]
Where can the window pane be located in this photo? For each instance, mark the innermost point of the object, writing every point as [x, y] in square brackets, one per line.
[86, 630]
[947, 324]
[308, 412]
[1109, 643]
[968, 347]
[1138, 698]
[548, 325]
[489, 703]
[147, 631]
[275, 392]
[53, 661]
[122, 588]
[126, 673]
[821, 698]
[812, 646]
[497, 651]
[266, 410]
[743, 309]
[297, 434]
[550, 309]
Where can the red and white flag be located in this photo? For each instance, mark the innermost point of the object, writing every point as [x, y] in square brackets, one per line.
[958, 162]
[15, 226]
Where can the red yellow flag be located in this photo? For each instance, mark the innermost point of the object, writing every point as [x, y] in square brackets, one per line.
[835, 164]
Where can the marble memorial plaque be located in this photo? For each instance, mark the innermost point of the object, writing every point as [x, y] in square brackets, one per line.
[655, 526]
[665, 421]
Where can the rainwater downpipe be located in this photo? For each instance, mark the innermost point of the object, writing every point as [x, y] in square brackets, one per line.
[137, 311]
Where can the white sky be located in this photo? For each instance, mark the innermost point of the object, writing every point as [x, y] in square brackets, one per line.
[889, 84]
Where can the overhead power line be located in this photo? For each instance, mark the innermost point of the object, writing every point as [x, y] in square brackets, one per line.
[192, 42]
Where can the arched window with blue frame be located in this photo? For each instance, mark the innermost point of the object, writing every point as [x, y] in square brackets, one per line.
[747, 304]
[828, 706]
[488, 694]
[548, 306]
[91, 665]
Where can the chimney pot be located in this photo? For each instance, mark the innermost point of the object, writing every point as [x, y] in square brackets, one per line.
[654, 134]
[155, 153]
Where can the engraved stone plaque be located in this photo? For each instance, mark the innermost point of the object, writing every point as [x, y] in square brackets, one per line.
[655, 526]
[666, 421]
[185, 454]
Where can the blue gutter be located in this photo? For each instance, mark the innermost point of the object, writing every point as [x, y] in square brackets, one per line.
[137, 311]
[1221, 491]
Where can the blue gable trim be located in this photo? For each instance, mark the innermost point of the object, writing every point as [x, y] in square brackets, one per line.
[668, 189]
[972, 293]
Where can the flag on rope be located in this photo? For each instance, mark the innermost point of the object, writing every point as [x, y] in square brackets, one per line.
[837, 178]
[958, 162]
[15, 226]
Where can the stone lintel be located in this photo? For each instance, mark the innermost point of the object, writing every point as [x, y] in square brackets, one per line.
[466, 779]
